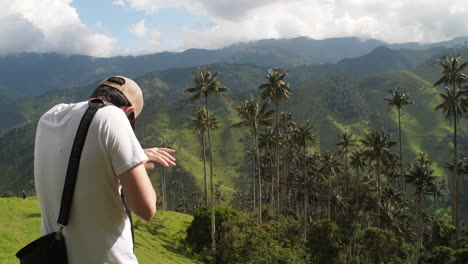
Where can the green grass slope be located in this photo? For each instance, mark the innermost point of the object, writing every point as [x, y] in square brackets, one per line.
[157, 242]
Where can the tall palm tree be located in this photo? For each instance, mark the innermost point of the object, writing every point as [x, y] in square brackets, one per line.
[266, 140]
[358, 160]
[254, 116]
[398, 99]
[437, 190]
[330, 166]
[358, 163]
[206, 85]
[345, 143]
[462, 167]
[453, 105]
[377, 148]
[303, 135]
[419, 175]
[200, 122]
[276, 90]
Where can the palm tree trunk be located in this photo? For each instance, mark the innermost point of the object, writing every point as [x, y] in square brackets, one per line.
[205, 183]
[378, 192]
[254, 169]
[306, 195]
[277, 162]
[419, 240]
[433, 217]
[272, 191]
[257, 153]
[455, 182]
[213, 227]
[403, 187]
[163, 187]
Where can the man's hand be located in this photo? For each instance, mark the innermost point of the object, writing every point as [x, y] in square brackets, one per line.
[160, 155]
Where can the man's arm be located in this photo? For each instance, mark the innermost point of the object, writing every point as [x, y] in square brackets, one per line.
[139, 192]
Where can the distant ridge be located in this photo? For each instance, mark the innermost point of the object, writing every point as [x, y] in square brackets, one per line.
[32, 74]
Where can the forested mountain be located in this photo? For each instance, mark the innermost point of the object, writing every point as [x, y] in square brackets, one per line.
[31, 74]
[334, 97]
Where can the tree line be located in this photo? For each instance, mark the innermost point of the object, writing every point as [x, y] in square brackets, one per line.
[358, 197]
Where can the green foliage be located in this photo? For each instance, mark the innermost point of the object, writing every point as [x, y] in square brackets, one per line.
[344, 100]
[383, 246]
[325, 242]
[438, 255]
[443, 234]
[243, 240]
[199, 233]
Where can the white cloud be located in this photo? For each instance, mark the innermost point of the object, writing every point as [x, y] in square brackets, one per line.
[390, 21]
[139, 29]
[48, 26]
[151, 37]
[119, 2]
[55, 26]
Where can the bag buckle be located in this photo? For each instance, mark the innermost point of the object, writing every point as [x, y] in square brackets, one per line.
[59, 234]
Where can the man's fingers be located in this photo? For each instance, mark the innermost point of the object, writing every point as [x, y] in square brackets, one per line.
[168, 150]
[161, 155]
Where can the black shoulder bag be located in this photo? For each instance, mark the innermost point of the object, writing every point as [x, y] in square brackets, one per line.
[51, 248]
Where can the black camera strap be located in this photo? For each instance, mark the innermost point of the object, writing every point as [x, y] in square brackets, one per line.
[74, 162]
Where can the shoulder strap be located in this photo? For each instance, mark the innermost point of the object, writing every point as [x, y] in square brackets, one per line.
[74, 162]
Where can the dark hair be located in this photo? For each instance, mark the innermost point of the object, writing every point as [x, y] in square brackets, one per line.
[111, 95]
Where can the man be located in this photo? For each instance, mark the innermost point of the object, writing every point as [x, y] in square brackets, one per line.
[99, 230]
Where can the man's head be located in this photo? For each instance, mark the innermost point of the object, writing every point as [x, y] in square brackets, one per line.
[122, 92]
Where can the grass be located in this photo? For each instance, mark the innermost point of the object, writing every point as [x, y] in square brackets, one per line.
[157, 242]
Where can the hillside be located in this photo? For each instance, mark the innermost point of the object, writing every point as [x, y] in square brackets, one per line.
[334, 97]
[31, 74]
[20, 224]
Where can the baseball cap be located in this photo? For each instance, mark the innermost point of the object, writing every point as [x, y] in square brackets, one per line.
[129, 89]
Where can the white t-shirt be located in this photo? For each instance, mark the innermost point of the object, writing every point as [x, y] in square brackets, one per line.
[99, 230]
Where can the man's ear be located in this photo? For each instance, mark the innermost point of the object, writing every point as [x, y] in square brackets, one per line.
[128, 109]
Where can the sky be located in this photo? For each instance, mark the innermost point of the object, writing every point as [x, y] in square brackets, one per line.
[106, 28]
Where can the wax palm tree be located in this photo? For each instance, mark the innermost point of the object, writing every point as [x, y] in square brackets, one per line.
[330, 167]
[419, 175]
[377, 148]
[302, 135]
[437, 190]
[206, 85]
[276, 90]
[453, 105]
[358, 163]
[345, 143]
[358, 160]
[266, 141]
[254, 116]
[200, 123]
[462, 167]
[398, 99]
[394, 206]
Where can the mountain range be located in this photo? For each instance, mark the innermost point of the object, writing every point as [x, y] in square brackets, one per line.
[338, 84]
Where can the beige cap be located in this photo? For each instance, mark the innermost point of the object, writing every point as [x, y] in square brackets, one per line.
[129, 88]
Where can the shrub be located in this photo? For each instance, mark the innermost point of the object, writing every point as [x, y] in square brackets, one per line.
[438, 255]
[199, 231]
[244, 241]
[325, 242]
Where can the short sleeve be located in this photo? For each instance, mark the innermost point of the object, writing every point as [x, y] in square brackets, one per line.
[120, 142]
